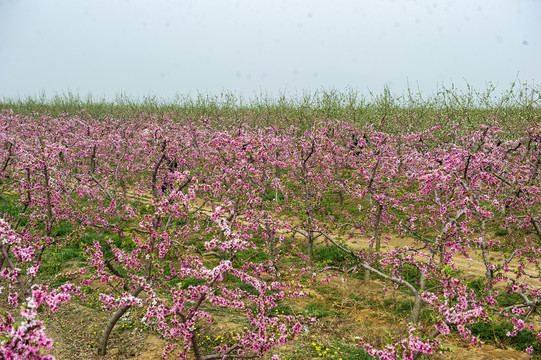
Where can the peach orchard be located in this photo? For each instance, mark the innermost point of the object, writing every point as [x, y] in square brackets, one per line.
[212, 204]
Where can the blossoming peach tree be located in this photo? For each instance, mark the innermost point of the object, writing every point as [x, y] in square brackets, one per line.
[188, 220]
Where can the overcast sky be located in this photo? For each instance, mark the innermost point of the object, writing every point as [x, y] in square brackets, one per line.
[168, 47]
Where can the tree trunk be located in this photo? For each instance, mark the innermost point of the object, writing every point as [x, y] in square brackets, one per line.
[416, 311]
[270, 234]
[102, 350]
[376, 237]
[311, 250]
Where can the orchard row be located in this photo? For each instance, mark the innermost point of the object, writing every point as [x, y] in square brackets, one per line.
[216, 207]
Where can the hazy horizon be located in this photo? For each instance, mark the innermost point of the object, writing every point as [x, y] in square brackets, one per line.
[250, 48]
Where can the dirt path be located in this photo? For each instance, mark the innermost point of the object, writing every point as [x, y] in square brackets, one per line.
[472, 267]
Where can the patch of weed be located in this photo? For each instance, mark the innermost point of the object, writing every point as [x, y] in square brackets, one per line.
[62, 229]
[319, 310]
[329, 255]
[508, 299]
[271, 195]
[338, 351]
[281, 309]
[251, 255]
[498, 332]
[330, 293]
[186, 283]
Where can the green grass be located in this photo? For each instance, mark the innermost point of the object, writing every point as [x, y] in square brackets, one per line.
[281, 309]
[329, 255]
[400, 307]
[55, 262]
[330, 293]
[501, 232]
[337, 351]
[320, 310]
[186, 283]
[62, 229]
[508, 299]
[271, 195]
[251, 255]
[497, 333]
[478, 285]
[7, 206]
[388, 112]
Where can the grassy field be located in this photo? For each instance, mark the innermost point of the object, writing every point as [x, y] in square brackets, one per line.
[512, 109]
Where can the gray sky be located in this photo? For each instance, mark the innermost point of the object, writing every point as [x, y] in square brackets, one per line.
[165, 47]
